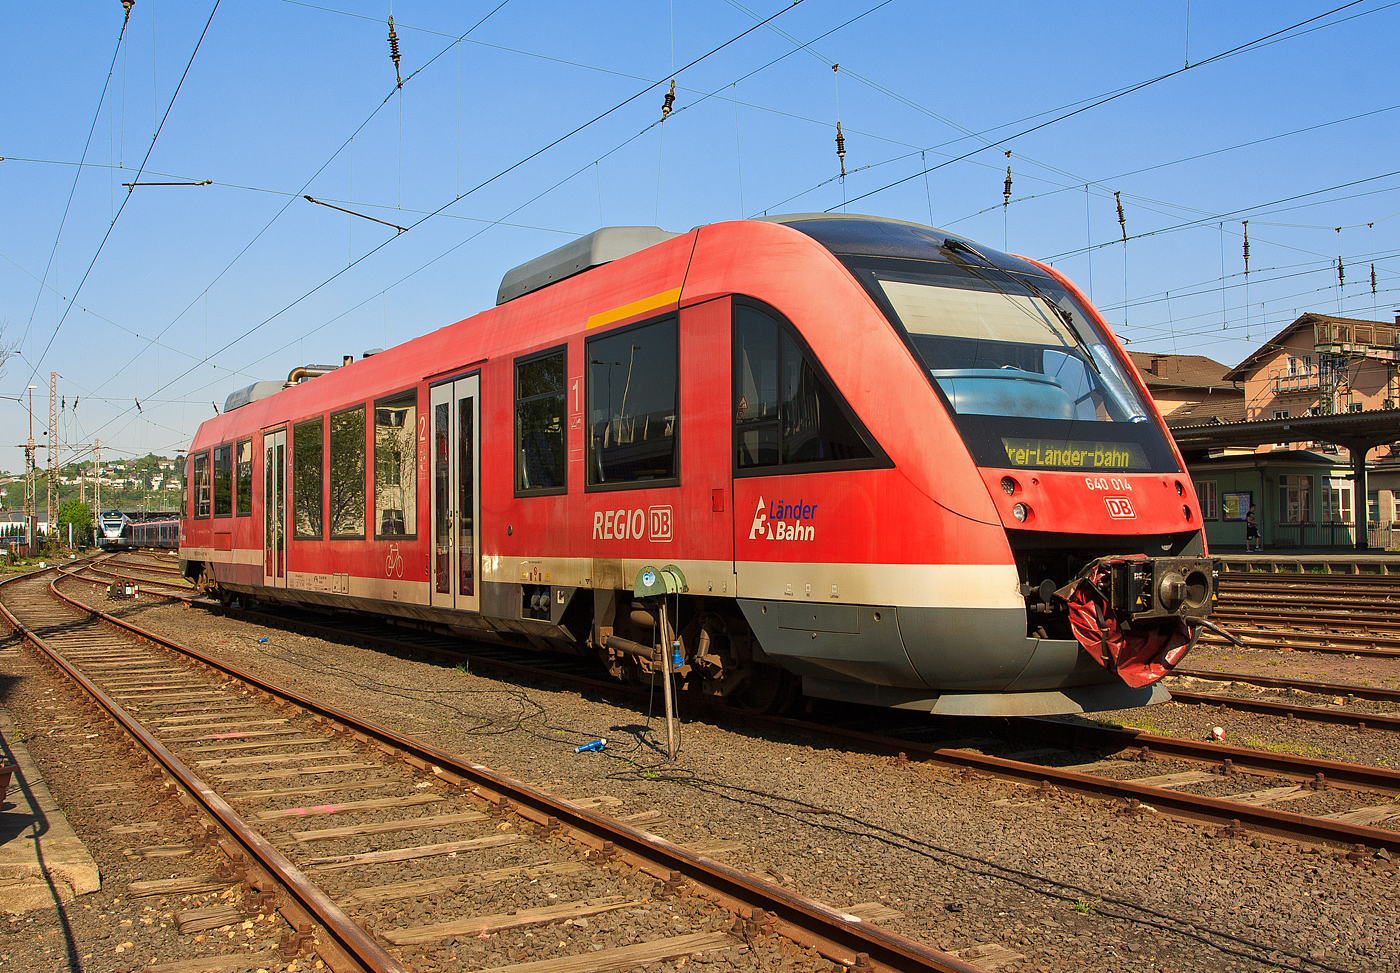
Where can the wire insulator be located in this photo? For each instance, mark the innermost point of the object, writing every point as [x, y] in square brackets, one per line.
[670, 102]
[841, 149]
[394, 51]
[1341, 273]
[1246, 246]
[1122, 223]
[127, 5]
[1373, 286]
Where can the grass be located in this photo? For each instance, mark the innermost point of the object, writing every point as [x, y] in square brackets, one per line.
[1143, 723]
[1288, 746]
[1084, 906]
[462, 668]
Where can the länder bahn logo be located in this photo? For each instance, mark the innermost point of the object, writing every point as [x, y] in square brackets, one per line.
[780, 521]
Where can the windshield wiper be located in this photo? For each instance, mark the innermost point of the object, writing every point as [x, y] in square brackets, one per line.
[1068, 320]
[954, 245]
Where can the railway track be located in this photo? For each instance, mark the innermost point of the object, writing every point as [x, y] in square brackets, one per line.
[261, 769]
[1356, 614]
[1058, 761]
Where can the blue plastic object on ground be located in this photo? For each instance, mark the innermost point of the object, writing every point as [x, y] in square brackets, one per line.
[263, 639]
[591, 745]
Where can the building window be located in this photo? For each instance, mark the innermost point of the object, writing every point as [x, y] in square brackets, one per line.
[307, 438]
[1373, 507]
[1209, 499]
[1356, 407]
[632, 407]
[786, 412]
[1336, 502]
[243, 478]
[223, 481]
[539, 423]
[1294, 499]
[1280, 413]
[396, 466]
[348, 473]
[201, 486]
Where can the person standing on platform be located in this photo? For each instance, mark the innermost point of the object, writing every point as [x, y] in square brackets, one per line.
[1252, 540]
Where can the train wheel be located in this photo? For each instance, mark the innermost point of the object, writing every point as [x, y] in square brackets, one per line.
[768, 690]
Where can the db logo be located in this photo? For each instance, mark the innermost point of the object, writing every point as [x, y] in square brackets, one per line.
[1119, 508]
[660, 518]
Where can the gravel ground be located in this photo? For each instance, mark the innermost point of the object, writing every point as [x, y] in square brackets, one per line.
[1299, 737]
[1327, 667]
[1068, 883]
[108, 931]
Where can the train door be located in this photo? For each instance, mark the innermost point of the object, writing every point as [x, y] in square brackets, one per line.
[275, 509]
[456, 493]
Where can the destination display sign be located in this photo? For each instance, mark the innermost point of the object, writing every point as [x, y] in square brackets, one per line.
[1070, 454]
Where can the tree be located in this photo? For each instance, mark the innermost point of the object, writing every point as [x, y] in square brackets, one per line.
[80, 516]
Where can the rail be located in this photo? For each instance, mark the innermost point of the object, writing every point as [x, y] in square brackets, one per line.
[839, 936]
[348, 936]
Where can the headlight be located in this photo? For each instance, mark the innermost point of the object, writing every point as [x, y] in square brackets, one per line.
[1021, 512]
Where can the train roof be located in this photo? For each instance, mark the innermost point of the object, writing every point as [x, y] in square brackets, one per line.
[597, 248]
[842, 235]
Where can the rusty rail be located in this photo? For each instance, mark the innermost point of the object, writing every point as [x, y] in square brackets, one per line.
[349, 937]
[841, 937]
[1193, 806]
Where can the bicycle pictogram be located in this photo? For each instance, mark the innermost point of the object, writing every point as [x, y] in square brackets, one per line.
[393, 563]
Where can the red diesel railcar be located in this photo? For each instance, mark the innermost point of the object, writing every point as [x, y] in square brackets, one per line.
[903, 468]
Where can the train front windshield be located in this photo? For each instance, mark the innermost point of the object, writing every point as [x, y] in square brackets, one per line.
[1027, 352]
[1029, 377]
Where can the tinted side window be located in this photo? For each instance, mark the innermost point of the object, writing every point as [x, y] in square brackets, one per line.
[539, 423]
[306, 480]
[348, 473]
[632, 406]
[396, 466]
[786, 411]
[223, 481]
[201, 485]
[243, 478]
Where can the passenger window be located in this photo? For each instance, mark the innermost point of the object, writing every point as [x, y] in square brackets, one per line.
[243, 479]
[786, 412]
[348, 473]
[223, 481]
[539, 423]
[201, 486]
[396, 466]
[632, 406]
[306, 480]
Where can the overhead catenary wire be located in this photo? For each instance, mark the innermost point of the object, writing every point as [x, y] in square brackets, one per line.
[77, 175]
[1098, 102]
[307, 185]
[485, 182]
[151, 148]
[930, 207]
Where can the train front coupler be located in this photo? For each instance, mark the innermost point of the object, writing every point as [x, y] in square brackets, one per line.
[1138, 616]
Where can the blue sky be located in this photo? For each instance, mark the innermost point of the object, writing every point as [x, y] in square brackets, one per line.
[199, 290]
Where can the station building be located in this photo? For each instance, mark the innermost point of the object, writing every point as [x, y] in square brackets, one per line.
[1307, 428]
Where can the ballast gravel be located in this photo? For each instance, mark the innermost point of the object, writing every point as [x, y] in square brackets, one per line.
[968, 863]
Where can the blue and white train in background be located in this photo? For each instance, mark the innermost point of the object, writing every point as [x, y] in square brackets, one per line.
[118, 532]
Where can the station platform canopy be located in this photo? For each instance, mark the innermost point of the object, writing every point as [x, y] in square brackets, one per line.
[1357, 432]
